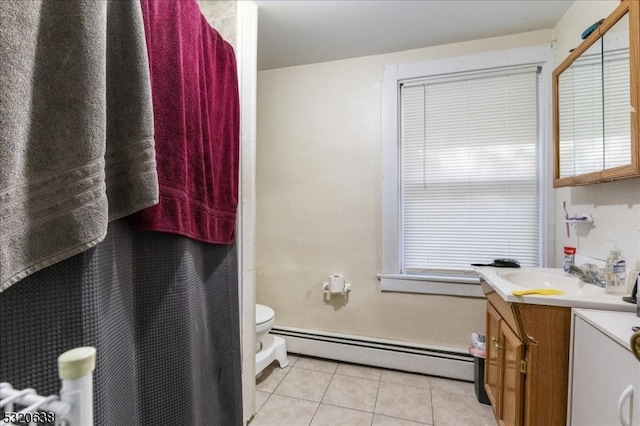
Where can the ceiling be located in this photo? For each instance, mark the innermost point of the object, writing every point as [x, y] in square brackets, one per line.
[301, 32]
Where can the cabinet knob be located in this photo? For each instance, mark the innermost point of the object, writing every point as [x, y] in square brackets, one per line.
[495, 343]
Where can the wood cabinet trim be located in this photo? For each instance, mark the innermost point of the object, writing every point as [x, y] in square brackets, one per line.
[544, 332]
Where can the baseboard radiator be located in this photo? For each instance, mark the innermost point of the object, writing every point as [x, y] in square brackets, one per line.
[378, 353]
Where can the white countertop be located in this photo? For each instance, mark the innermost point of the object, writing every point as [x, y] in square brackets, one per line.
[616, 325]
[595, 299]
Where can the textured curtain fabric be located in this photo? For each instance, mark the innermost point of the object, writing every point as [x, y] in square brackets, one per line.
[162, 311]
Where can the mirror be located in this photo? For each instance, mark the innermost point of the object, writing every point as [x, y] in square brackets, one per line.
[594, 99]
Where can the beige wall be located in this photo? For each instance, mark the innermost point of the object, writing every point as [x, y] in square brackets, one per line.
[615, 206]
[318, 201]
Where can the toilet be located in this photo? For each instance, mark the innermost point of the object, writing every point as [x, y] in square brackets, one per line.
[268, 347]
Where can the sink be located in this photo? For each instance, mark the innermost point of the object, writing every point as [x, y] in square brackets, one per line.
[536, 278]
[577, 293]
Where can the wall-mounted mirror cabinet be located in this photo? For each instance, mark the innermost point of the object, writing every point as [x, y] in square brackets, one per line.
[595, 102]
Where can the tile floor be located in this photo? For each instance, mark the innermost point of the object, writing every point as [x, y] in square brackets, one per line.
[316, 392]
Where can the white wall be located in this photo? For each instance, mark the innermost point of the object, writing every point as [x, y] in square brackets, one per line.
[615, 206]
[318, 186]
[247, 54]
[318, 201]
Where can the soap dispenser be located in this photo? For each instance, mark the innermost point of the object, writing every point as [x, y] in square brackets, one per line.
[615, 272]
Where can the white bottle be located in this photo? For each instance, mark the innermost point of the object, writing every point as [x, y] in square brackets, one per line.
[615, 273]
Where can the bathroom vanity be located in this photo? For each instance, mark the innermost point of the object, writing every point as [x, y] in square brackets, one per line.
[528, 341]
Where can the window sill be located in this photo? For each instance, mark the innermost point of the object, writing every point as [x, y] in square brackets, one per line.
[449, 286]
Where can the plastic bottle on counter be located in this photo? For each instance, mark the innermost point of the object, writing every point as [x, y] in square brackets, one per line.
[569, 259]
[615, 273]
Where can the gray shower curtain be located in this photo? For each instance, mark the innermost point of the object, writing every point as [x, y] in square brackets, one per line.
[162, 311]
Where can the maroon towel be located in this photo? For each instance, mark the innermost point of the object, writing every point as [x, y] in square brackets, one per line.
[194, 87]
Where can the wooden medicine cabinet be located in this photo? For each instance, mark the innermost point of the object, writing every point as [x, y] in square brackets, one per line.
[595, 103]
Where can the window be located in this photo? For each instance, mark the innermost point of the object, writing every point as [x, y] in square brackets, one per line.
[463, 168]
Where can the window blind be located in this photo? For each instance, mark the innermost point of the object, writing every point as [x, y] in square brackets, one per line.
[580, 118]
[617, 108]
[469, 180]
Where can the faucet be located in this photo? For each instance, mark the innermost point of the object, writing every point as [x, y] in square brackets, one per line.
[589, 273]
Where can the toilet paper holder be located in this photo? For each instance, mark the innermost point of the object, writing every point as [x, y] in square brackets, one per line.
[336, 286]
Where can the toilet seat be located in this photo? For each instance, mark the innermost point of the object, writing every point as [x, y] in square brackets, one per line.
[264, 314]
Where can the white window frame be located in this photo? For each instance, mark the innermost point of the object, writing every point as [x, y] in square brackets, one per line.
[391, 276]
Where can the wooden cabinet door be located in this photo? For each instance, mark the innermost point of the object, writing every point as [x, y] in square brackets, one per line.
[492, 376]
[512, 398]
